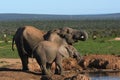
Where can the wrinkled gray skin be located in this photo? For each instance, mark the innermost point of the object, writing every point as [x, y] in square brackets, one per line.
[27, 37]
[47, 52]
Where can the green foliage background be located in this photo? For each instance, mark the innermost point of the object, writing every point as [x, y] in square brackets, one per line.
[101, 28]
[105, 30]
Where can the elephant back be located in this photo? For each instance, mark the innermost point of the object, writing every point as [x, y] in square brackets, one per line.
[33, 32]
[54, 37]
[33, 35]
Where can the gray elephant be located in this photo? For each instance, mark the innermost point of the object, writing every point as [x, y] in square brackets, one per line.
[27, 37]
[71, 35]
[47, 52]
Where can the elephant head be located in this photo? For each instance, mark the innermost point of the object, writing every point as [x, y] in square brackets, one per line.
[80, 35]
[71, 35]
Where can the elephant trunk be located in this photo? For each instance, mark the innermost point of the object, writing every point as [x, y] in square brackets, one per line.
[80, 35]
[84, 36]
[77, 56]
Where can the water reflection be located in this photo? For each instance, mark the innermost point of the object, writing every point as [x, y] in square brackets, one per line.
[105, 76]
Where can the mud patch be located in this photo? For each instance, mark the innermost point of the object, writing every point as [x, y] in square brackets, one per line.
[10, 69]
[101, 62]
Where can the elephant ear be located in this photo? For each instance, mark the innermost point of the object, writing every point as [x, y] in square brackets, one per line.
[73, 52]
[63, 51]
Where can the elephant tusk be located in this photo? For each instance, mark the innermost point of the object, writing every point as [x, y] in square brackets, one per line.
[82, 37]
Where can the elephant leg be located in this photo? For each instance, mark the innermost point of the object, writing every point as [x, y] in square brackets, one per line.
[56, 70]
[59, 64]
[42, 64]
[41, 68]
[49, 67]
[24, 60]
[45, 71]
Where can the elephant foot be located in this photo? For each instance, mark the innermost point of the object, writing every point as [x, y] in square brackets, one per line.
[48, 74]
[25, 69]
[56, 71]
[59, 72]
[46, 77]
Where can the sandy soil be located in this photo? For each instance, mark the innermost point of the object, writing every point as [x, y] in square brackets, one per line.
[10, 69]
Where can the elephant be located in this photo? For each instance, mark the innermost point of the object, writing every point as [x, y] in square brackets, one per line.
[27, 37]
[74, 53]
[71, 35]
[47, 52]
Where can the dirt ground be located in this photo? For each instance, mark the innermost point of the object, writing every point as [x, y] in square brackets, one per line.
[10, 69]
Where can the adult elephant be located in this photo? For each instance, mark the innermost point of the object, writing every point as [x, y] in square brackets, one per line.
[47, 52]
[27, 37]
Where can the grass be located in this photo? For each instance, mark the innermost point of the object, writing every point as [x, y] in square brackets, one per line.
[6, 51]
[100, 46]
[103, 46]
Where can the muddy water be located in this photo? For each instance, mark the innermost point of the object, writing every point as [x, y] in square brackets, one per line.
[105, 76]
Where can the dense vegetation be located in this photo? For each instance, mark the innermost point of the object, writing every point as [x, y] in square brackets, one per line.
[105, 30]
[101, 28]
